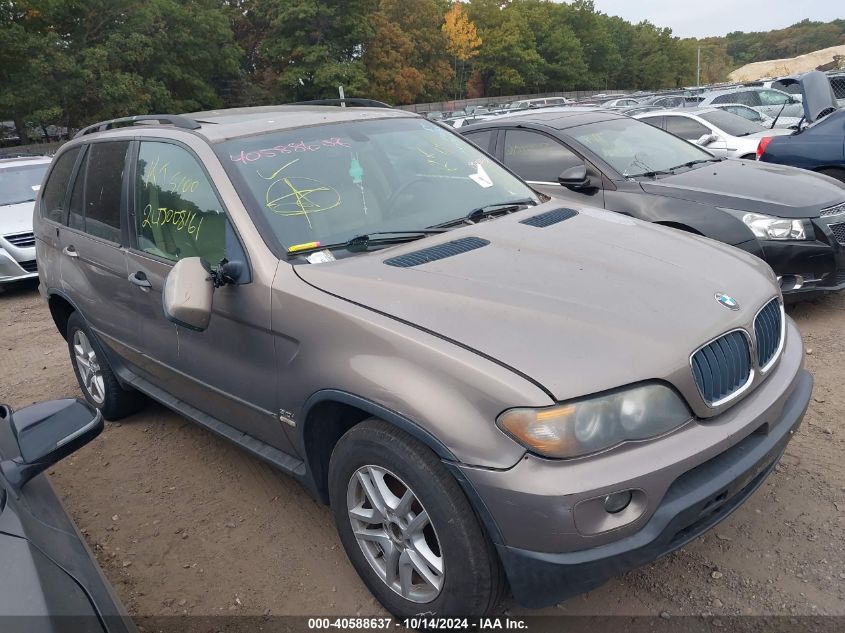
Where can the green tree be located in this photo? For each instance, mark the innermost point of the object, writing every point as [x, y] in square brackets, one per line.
[313, 46]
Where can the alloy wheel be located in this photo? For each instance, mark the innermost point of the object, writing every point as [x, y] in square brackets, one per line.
[89, 367]
[395, 533]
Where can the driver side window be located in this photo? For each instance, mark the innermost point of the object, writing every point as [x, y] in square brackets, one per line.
[536, 157]
[177, 213]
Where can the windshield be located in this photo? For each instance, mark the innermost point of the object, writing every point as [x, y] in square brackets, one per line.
[732, 124]
[20, 183]
[328, 183]
[634, 148]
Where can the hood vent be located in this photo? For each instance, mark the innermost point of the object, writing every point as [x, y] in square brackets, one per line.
[441, 251]
[550, 217]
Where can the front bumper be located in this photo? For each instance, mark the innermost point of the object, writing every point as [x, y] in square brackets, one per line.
[689, 480]
[13, 270]
[695, 502]
[819, 265]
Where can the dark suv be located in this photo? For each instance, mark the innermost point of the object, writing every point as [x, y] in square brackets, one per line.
[484, 385]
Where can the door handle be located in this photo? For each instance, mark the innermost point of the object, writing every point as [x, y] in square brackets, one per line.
[140, 279]
[70, 251]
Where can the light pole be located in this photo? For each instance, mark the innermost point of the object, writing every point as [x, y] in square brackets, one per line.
[698, 70]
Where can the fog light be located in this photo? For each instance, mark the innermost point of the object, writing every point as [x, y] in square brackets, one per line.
[617, 502]
[791, 282]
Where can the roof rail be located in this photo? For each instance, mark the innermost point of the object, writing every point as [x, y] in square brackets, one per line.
[352, 102]
[171, 119]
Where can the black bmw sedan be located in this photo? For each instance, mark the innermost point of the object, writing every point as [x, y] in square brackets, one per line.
[793, 219]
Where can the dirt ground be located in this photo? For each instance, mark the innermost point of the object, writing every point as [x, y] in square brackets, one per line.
[183, 522]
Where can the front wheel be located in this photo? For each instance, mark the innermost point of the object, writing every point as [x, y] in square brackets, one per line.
[408, 528]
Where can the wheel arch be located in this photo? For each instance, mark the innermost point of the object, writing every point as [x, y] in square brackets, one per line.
[61, 307]
[330, 413]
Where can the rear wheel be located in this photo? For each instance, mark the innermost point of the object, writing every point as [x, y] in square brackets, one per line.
[407, 526]
[95, 377]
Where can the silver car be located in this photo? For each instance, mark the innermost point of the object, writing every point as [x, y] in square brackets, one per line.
[487, 385]
[720, 133]
[746, 112]
[785, 107]
[20, 179]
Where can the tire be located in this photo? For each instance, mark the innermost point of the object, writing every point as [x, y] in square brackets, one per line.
[839, 174]
[96, 379]
[471, 582]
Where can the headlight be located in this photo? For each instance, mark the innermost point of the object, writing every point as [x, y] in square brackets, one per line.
[768, 228]
[586, 426]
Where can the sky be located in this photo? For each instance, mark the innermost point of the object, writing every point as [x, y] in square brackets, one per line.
[702, 18]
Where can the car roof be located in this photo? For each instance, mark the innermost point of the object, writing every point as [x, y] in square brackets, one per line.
[682, 111]
[559, 118]
[221, 125]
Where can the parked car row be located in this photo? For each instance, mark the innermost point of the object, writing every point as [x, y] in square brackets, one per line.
[791, 218]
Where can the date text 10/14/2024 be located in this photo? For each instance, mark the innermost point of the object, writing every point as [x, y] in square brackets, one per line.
[421, 621]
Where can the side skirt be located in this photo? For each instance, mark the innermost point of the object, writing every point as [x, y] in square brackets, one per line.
[263, 451]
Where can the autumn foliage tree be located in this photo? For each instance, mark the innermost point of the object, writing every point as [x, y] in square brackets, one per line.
[463, 41]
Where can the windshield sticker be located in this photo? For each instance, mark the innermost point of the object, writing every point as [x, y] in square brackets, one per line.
[252, 156]
[297, 195]
[481, 178]
[320, 257]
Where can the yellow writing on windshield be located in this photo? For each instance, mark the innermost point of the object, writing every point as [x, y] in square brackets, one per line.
[298, 195]
[437, 156]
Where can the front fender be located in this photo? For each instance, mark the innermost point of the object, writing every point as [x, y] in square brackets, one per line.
[709, 221]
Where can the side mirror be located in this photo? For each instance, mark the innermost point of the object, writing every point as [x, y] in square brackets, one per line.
[706, 139]
[188, 292]
[575, 177]
[45, 433]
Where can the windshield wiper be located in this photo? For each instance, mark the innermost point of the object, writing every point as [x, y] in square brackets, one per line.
[699, 161]
[479, 213]
[365, 240]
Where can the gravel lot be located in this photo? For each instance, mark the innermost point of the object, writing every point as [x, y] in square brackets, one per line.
[183, 522]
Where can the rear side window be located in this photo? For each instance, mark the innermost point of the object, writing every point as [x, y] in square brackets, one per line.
[96, 201]
[103, 189]
[537, 157]
[177, 212]
[481, 139]
[685, 128]
[55, 191]
[770, 97]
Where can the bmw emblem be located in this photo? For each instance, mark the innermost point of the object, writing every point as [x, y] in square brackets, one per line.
[727, 301]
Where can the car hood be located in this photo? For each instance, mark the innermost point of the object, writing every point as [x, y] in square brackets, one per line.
[588, 304]
[16, 218]
[817, 94]
[755, 187]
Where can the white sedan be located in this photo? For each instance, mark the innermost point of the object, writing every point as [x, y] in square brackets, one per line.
[720, 133]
